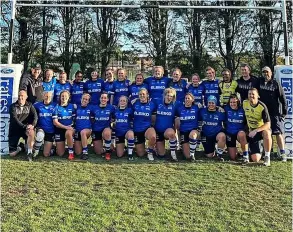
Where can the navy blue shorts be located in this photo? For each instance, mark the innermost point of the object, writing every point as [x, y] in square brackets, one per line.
[97, 135]
[255, 143]
[231, 140]
[160, 136]
[139, 137]
[277, 125]
[60, 134]
[184, 136]
[209, 143]
[49, 137]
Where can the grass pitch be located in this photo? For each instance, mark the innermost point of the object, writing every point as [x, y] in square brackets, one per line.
[54, 194]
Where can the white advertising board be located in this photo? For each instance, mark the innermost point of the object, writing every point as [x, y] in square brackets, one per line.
[9, 77]
[284, 73]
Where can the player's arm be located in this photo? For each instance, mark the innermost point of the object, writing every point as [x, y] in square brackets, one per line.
[267, 121]
[23, 83]
[35, 115]
[282, 99]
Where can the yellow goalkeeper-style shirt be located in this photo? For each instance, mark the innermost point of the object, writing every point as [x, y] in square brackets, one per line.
[256, 116]
[226, 90]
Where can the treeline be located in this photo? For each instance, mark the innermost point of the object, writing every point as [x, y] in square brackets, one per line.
[187, 38]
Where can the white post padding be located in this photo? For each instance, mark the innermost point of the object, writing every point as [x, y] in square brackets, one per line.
[9, 77]
[284, 74]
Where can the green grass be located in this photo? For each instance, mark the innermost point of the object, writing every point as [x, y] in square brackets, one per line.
[53, 194]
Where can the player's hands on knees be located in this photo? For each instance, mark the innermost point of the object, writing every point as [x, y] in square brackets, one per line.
[70, 128]
[252, 133]
[29, 129]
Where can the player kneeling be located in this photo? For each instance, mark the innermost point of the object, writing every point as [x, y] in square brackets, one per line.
[103, 114]
[212, 128]
[23, 118]
[143, 109]
[189, 132]
[164, 124]
[83, 127]
[63, 116]
[235, 125]
[123, 116]
[258, 121]
[45, 126]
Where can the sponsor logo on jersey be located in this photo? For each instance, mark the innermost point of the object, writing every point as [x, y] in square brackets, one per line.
[187, 118]
[121, 120]
[158, 87]
[141, 113]
[82, 117]
[164, 113]
[235, 120]
[45, 114]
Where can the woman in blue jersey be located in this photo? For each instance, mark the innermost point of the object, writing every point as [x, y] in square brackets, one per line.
[103, 114]
[123, 117]
[109, 89]
[120, 86]
[77, 88]
[197, 89]
[211, 85]
[94, 86]
[135, 87]
[49, 81]
[83, 126]
[189, 132]
[142, 122]
[235, 123]
[212, 118]
[157, 84]
[179, 85]
[164, 124]
[61, 85]
[63, 116]
[108, 84]
[45, 127]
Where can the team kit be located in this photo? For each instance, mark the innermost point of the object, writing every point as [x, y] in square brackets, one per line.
[120, 115]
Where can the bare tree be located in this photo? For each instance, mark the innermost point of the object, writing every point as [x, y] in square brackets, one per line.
[269, 31]
[233, 33]
[196, 26]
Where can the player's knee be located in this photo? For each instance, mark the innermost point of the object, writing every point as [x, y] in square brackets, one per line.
[69, 135]
[193, 135]
[170, 134]
[83, 133]
[256, 157]
[210, 155]
[221, 137]
[40, 136]
[241, 136]
[152, 138]
[266, 134]
[130, 135]
[46, 154]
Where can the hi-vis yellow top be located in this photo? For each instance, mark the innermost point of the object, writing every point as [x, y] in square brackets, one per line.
[256, 116]
[226, 90]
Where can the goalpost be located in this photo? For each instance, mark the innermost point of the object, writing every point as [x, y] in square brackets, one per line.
[282, 9]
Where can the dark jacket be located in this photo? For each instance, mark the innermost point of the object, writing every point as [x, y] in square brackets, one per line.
[272, 94]
[33, 87]
[244, 86]
[20, 117]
